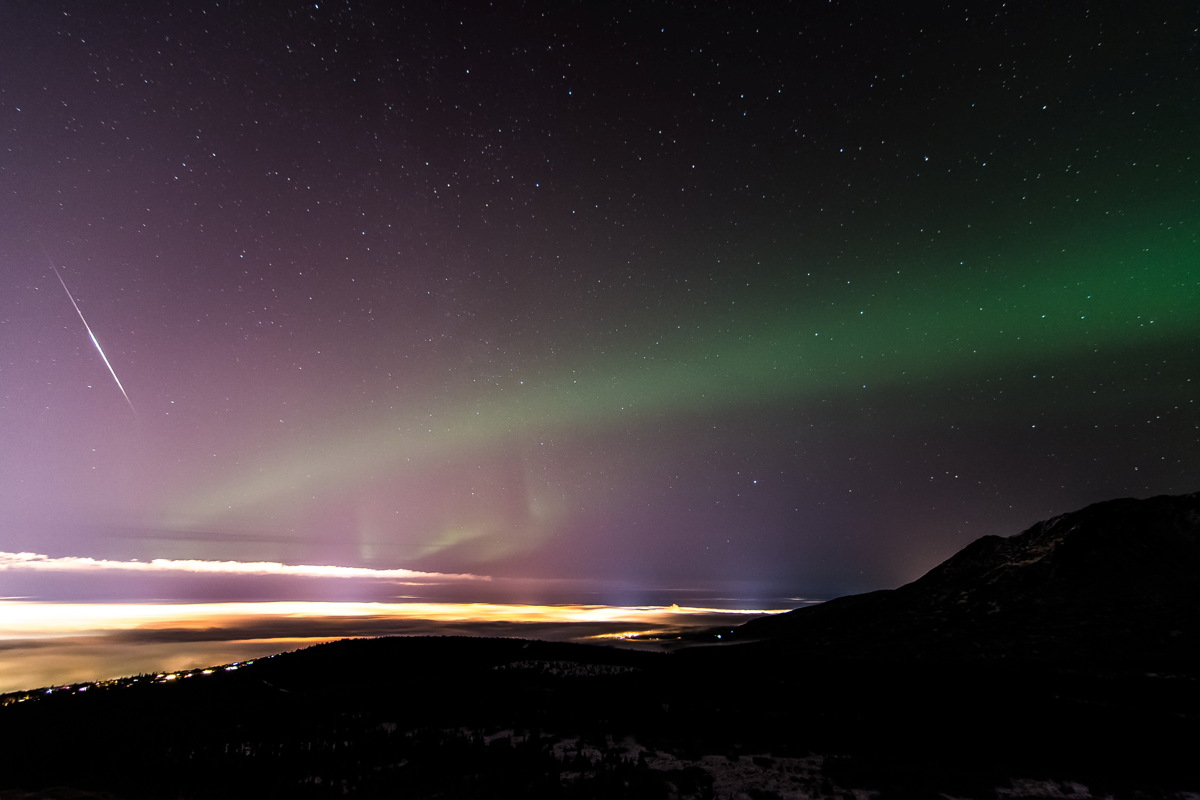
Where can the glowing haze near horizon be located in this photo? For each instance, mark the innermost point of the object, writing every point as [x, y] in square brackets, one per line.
[564, 303]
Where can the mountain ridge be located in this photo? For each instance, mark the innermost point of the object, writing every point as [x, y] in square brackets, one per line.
[1117, 578]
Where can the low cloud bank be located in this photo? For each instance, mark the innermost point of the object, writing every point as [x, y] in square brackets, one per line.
[40, 562]
[46, 644]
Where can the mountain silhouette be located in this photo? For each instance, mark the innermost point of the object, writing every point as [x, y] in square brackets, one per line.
[1067, 653]
[1115, 579]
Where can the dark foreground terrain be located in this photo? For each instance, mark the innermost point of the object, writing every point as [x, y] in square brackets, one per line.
[1008, 671]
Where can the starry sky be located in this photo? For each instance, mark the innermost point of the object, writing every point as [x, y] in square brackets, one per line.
[583, 301]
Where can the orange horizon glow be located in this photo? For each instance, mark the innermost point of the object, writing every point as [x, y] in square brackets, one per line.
[55, 643]
[20, 619]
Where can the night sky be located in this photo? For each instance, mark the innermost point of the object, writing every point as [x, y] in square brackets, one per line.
[743, 302]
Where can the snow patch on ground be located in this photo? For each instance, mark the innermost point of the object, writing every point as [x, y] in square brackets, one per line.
[568, 669]
[1065, 790]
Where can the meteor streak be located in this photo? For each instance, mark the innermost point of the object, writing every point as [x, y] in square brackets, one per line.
[88, 328]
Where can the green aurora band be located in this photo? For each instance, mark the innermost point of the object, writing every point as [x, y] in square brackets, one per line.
[964, 325]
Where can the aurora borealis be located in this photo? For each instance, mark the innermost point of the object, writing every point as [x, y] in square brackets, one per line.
[569, 303]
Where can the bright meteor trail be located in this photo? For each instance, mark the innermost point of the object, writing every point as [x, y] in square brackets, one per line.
[88, 328]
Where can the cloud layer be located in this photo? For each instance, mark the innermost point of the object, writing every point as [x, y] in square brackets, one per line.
[40, 562]
[43, 644]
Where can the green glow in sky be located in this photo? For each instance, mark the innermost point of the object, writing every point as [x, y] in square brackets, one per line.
[949, 322]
